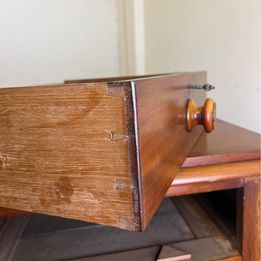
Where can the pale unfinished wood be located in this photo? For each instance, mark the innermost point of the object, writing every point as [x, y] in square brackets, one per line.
[168, 253]
[64, 151]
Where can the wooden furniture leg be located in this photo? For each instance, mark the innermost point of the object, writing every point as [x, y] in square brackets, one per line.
[251, 219]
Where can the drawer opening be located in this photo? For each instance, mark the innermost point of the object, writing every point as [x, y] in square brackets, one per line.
[182, 222]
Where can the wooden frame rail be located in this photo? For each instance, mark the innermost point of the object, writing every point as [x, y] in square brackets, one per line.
[213, 177]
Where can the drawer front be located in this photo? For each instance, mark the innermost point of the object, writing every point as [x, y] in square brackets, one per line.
[162, 140]
[103, 152]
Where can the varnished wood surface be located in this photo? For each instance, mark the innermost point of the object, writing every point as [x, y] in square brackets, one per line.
[65, 151]
[208, 178]
[98, 151]
[228, 143]
[204, 115]
[163, 142]
[9, 212]
[241, 145]
[193, 180]
[202, 187]
[209, 150]
[219, 161]
[218, 172]
[252, 220]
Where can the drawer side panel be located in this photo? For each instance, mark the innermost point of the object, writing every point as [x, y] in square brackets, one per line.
[64, 151]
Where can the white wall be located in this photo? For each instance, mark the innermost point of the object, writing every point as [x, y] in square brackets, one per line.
[47, 41]
[220, 36]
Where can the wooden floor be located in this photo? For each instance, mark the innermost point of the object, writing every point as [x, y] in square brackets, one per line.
[179, 222]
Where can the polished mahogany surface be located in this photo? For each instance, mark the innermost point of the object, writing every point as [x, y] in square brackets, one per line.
[102, 151]
[219, 161]
[228, 143]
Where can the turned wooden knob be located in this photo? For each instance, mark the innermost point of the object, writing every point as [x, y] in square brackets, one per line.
[205, 115]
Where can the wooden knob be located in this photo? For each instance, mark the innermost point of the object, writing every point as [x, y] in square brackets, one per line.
[205, 115]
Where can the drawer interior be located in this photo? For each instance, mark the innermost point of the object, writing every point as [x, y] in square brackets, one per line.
[187, 223]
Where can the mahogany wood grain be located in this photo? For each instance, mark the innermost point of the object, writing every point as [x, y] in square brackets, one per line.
[218, 172]
[202, 187]
[162, 142]
[252, 219]
[228, 143]
[9, 212]
[219, 161]
[238, 235]
[104, 152]
[205, 115]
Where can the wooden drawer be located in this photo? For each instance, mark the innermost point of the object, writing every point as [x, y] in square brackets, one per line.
[104, 152]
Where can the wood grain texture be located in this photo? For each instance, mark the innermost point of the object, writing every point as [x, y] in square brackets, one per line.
[94, 151]
[203, 115]
[219, 161]
[252, 219]
[218, 172]
[65, 151]
[203, 187]
[240, 145]
[9, 212]
[228, 143]
[163, 142]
